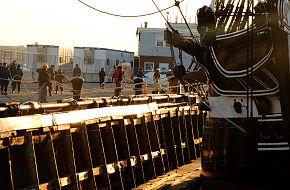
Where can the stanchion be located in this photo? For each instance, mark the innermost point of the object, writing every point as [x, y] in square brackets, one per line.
[77, 83]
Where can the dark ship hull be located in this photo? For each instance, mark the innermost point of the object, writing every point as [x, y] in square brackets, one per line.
[246, 136]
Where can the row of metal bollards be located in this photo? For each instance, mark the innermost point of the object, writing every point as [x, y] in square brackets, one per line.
[111, 153]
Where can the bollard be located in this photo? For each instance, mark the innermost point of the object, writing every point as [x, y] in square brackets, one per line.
[77, 83]
[138, 85]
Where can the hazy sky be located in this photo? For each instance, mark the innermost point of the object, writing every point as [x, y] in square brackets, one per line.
[69, 23]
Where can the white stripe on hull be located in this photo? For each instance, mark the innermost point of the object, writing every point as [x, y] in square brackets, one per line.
[276, 148]
[273, 146]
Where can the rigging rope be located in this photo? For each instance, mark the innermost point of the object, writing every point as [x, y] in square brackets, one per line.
[160, 11]
[125, 16]
[177, 5]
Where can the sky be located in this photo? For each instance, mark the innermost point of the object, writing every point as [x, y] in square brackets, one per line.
[70, 23]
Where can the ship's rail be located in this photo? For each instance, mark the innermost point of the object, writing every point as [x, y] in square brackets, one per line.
[101, 143]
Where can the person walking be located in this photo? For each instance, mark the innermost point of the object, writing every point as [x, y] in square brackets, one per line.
[113, 76]
[118, 80]
[59, 77]
[156, 77]
[43, 82]
[140, 73]
[5, 76]
[77, 71]
[102, 75]
[17, 79]
[138, 81]
[12, 68]
[52, 74]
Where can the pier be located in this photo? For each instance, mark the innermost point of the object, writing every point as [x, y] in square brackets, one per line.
[137, 142]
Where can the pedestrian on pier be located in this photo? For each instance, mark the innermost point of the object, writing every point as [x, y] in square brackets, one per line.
[118, 80]
[140, 73]
[18, 74]
[5, 76]
[138, 81]
[77, 71]
[43, 82]
[59, 77]
[102, 75]
[156, 77]
[12, 68]
[113, 76]
[52, 74]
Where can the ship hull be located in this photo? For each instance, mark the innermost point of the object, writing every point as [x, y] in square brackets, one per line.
[251, 152]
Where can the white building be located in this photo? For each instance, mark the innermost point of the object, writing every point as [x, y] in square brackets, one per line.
[155, 53]
[92, 59]
[37, 55]
[10, 53]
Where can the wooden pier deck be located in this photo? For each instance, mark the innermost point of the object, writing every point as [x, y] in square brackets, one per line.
[184, 177]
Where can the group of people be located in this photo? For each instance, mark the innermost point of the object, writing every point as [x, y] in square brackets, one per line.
[46, 78]
[12, 72]
[117, 78]
[48, 75]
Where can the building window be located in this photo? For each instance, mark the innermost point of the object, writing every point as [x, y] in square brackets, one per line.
[148, 66]
[163, 67]
[89, 56]
[88, 60]
[160, 41]
[41, 54]
[61, 59]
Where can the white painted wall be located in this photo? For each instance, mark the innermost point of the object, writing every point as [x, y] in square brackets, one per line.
[32, 62]
[103, 58]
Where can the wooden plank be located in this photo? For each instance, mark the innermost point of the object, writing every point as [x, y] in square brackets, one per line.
[180, 178]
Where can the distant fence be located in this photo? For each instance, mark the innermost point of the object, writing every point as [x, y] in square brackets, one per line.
[99, 144]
